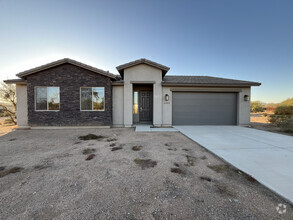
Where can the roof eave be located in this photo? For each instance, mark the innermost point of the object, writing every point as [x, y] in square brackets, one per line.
[15, 81]
[209, 84]
[119, 83]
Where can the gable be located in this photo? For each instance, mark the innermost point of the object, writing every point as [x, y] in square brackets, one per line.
[26, 73]
[123, 67]
[65, 73]
[142, 72]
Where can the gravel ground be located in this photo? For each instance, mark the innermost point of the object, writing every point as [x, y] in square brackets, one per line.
[57, 182]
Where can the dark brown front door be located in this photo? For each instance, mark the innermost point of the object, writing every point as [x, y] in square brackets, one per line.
[145, 105]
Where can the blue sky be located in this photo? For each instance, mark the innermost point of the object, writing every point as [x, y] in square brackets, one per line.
[248, 40]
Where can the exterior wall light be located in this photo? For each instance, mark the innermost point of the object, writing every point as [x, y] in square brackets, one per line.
[166, 97]
[246, 97]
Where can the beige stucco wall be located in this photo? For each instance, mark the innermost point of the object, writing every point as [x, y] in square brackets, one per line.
[21, 106]
[142, 73]
[162, 110]
[118, 97]
[243, 106]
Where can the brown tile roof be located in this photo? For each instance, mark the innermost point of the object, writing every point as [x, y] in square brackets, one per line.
[205, 80]
[121, 68]
[62, 61]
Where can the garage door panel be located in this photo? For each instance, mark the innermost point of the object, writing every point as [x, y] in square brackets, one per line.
[197, 108]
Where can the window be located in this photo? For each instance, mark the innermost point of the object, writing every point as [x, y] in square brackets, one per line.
[92, 99]
[47, 98]
[135, 102]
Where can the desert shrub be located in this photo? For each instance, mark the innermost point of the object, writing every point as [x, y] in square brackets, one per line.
[265, 114]
[91, 137]
[136, 148]
[287, 125]
[284, 110]
[285, 122]
[272, 119]
[277, 119]
[257, 106]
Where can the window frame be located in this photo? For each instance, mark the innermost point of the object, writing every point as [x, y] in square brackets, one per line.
[47, 110]
[92, 99]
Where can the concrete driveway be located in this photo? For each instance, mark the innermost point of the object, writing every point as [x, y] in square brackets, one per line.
[266, 156]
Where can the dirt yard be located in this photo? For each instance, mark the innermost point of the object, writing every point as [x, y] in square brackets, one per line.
[258, 121]
[54, 174]
[5, 129]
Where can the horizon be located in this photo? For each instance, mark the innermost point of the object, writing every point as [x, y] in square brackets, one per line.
[248, 40]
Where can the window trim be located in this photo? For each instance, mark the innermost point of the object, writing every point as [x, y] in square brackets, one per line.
[92, 99]
[35, 88]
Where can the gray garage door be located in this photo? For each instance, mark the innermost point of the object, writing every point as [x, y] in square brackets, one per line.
[198, 108]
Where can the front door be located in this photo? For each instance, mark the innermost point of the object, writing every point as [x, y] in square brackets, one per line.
[145, 106]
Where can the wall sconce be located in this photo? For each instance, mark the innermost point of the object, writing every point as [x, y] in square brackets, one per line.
[166, 97]
[246, 97]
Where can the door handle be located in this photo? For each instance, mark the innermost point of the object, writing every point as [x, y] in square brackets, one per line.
[140, 109]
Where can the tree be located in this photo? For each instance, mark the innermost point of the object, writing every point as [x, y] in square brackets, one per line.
[8, 95]
[257, 106]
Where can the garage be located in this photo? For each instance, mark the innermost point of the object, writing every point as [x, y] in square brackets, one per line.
[204, 108]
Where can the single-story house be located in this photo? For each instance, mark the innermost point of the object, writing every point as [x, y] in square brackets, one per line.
[70, 93]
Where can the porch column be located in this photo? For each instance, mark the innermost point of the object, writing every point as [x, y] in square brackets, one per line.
[157, 109]
[128, 97]
[21, 106]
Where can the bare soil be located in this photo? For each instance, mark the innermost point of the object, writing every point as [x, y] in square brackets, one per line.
[56, 182]
[260, 122]
[4, 128]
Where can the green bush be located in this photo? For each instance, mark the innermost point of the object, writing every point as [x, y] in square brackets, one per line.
[257, 106]
[284, 110]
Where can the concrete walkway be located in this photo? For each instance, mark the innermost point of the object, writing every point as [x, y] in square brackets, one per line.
[147, 128]
[266, 156]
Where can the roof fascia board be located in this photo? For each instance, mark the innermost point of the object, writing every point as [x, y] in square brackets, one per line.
[205, 85]
[202, 89]
[15, 81]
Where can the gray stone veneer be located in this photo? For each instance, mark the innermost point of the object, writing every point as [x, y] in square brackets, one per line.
[69, 78]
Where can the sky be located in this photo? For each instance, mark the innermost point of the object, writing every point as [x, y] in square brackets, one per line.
[247, 40]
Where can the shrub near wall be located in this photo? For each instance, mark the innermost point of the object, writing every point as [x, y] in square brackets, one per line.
[283, 118]
[257, 106]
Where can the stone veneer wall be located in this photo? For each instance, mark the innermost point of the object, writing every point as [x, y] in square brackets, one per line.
[69, 78]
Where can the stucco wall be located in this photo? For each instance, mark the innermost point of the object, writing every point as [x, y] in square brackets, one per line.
[243, 106]
[118, 106]
[142, 74]
[21, 106]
